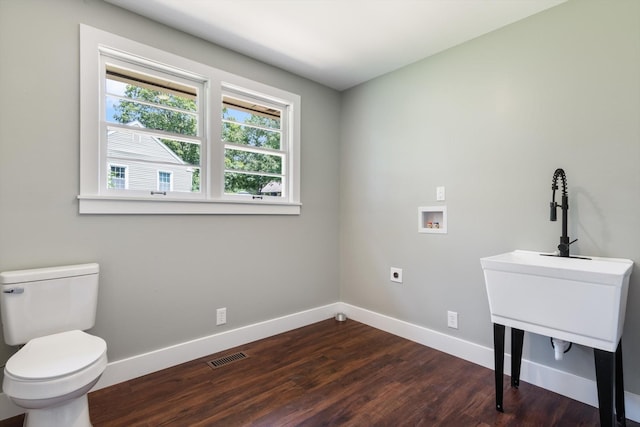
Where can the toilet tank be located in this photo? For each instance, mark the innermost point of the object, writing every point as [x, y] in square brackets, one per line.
[44, 301]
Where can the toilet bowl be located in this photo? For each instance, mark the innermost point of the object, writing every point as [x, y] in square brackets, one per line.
[51, 375]
[47, 310]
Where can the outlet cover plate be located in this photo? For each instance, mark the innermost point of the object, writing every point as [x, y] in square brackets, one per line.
[221, 316]
[452, 319]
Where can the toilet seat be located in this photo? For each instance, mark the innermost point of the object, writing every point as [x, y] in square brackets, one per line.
[55, 355]
[55, 365]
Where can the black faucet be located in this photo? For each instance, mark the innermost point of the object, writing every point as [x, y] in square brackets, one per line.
[563, 247]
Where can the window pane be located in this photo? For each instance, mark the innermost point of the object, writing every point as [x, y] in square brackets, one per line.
[251, 124]
[239, 160]
[248, 112]
[153, 106]
[127, 112]
[236, 133]
[258, 185]
[143, 155]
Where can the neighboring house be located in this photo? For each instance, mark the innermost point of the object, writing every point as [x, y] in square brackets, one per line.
[274, 188]
[141, 162]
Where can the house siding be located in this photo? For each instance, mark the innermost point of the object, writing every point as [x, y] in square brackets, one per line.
[144, 156]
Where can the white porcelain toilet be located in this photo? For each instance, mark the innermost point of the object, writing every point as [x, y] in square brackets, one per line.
[47, 309]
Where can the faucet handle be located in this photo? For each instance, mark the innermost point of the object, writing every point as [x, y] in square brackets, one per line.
[563, 248]
[553, 212]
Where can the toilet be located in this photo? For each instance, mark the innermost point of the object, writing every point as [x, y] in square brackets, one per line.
[47, 310]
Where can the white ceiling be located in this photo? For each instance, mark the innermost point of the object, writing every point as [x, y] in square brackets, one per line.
[339, 43]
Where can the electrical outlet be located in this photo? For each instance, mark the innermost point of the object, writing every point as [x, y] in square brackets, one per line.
[440, 193]
[221, 316]
[452, 319]
[395, 275]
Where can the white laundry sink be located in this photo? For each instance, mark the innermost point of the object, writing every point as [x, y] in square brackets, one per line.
[573, 299]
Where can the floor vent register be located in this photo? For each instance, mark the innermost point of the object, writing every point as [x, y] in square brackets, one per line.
[225, 360]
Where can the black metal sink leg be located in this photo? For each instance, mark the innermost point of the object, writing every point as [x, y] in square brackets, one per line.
[498, 355]
[610, 386]
[620, 413]
[517, 338]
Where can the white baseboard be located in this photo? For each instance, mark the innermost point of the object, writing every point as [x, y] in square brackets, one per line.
[575, 387]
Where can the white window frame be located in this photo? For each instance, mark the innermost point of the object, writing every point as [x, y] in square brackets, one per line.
[93, 197]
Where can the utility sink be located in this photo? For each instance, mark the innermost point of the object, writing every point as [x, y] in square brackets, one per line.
[580, 300]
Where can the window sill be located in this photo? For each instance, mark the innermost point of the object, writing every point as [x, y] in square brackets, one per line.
[130, 206]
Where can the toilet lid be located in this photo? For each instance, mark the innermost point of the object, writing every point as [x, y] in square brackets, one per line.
[56, 355]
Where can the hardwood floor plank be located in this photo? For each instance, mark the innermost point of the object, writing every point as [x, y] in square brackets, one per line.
[329, 374]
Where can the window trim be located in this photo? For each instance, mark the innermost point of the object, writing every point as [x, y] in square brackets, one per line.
[93, 201]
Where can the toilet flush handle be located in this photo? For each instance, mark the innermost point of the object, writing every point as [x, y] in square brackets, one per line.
[13, 291]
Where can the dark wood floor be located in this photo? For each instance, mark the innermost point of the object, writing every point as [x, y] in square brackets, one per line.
[330, 373]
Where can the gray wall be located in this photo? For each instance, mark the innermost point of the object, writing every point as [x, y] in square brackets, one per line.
[162, 277]
[491, 120]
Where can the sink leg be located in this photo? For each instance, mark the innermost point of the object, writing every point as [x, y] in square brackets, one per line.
[517, 338]
[620, 413]
[498, 355]
[605, 369]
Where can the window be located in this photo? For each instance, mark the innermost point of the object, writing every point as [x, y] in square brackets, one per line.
[117, 177]
[156, 127]
[151, 121]
[255, 154]
[164, 181]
